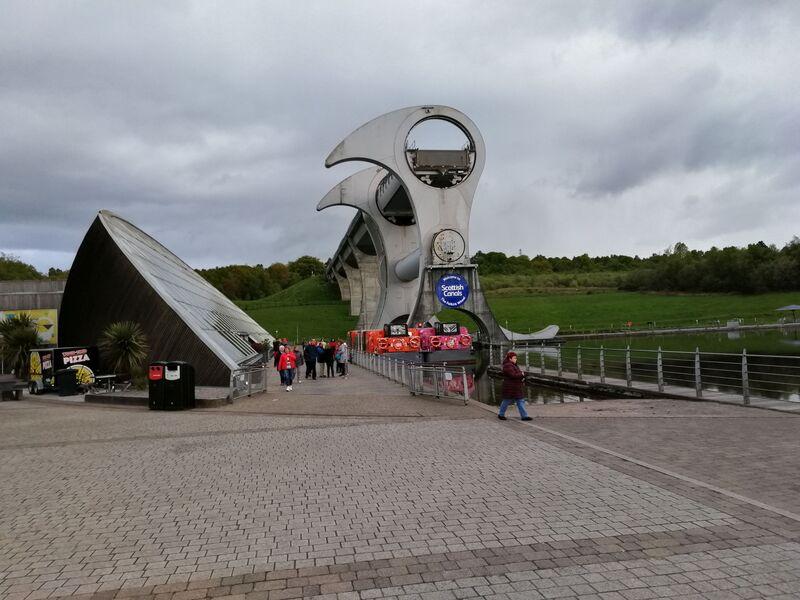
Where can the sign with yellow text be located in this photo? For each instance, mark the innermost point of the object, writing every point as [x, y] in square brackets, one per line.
[46, 320]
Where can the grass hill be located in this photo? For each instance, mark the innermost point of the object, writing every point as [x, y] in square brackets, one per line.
[308, 309]
[312, 308]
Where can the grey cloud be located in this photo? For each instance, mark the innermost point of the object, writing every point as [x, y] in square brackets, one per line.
[207, 126]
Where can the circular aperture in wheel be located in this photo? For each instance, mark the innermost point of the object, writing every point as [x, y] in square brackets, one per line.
[440, 152]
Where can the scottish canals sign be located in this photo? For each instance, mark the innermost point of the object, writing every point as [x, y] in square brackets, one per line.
[452, 290]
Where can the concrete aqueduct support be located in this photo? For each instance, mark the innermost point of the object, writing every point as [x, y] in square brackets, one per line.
[341, 280]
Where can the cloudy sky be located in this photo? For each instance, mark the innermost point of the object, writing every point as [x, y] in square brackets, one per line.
[611, 127]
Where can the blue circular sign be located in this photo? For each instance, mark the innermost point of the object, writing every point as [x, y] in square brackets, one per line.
[452, 290]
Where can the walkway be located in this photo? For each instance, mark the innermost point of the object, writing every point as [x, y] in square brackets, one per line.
[589, 382]
[380, 495]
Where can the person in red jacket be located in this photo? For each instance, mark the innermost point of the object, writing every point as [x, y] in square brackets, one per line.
[287, 365]
[513, 390]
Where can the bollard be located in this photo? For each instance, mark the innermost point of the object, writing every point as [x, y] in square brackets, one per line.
[628, 374]
[660, 368]
[464, 383]
[698, 382]
[745, 380]
[580, 365]
[559, 360]
[602, 365]
[541, 358]
[527, 362]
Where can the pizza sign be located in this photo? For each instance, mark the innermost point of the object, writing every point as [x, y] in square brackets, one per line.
[74, 357]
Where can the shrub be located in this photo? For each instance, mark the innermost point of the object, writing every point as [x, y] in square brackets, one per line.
[18, 337]
[124, 348]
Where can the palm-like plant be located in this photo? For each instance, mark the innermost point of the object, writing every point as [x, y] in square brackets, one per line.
[18, 337]
[124, 348]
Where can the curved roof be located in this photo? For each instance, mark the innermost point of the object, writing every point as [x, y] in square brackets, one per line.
[212, 317]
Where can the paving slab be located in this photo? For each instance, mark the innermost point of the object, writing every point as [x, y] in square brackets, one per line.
[380, 495]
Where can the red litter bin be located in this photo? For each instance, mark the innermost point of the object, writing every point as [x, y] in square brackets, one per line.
[156, 386]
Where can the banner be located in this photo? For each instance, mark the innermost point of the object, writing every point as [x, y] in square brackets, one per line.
[46, 320]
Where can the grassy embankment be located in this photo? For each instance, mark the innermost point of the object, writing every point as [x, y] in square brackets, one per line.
[308, 309]
[312, 307]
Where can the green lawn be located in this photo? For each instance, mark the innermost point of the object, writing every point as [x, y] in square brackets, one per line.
[612, 309]
[311, 308]
[308, 309]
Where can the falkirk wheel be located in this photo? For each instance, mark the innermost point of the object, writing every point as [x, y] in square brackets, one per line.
[405, 256]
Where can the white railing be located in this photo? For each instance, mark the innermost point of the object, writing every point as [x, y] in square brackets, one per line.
[441, 380]
[247, 381]
[771, 377]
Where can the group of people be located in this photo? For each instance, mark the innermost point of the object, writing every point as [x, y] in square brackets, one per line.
[288, 359]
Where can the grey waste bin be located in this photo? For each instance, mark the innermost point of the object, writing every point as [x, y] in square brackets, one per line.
[179, 390]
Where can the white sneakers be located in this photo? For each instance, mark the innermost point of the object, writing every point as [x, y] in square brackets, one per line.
[288, 388]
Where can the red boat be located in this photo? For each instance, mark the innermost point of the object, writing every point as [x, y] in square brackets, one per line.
[442, 342]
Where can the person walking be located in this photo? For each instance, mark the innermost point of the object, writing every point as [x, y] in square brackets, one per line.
[343, 353]
[277, 359]
[513, 390]
[330, 352]
[321, 357]
[287, 366]
[310, 356]
[299, 361]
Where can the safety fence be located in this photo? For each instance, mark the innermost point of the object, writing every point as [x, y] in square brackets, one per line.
[247, 381]
[439, 380]
[742, 375]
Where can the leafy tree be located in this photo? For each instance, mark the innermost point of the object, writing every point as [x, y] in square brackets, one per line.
[12, 268]
[280, 273]
[306, 266]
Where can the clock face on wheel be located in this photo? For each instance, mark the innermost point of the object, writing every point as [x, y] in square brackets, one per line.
[448, 245]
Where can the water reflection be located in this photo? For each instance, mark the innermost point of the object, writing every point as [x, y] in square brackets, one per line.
[487, 388]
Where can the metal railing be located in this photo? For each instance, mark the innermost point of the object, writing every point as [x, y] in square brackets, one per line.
[440, 380]
[744, 375]
[247, 381]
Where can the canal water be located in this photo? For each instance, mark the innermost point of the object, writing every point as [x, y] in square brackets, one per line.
[487, 389]
[775, 375]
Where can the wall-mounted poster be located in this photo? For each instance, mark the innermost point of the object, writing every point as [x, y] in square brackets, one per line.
[46, 322]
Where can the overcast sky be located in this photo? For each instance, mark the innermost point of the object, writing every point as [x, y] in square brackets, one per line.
[611, 127]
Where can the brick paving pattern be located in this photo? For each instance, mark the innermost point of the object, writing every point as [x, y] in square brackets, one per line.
[747, 451]
[110, 503]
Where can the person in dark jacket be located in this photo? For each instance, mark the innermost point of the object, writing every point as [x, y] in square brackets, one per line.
[330, 352]
[513, 390]
[310, 355]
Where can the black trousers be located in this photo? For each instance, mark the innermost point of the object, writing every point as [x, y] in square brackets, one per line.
[311, 369]
[329, 368]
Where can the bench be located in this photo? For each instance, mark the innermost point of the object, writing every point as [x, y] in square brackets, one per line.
[11, 388]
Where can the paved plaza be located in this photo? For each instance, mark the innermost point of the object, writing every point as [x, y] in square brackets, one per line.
[353, 489]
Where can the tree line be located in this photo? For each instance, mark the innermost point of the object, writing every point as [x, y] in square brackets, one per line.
[248, 282]
[237, 282]
[755, 268]
[12, 268]
[750, 270]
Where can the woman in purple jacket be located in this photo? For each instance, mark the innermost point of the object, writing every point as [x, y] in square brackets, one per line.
[513, 391]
